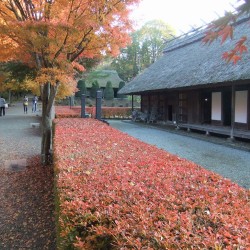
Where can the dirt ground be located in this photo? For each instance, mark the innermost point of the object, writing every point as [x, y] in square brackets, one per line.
[26, 188]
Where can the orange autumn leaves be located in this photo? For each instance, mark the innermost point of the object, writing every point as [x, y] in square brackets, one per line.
[54, 34]
[223, 28]
[125, 194]
[68, 27]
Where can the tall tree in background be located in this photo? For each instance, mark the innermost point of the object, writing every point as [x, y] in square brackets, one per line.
[147, 45]
[153, 34]
[126, 64]
[51, 35]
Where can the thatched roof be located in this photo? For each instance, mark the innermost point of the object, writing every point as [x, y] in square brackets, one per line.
[103, 76]
[189, 62]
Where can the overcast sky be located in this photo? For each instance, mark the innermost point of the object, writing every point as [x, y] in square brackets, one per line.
[182, 14]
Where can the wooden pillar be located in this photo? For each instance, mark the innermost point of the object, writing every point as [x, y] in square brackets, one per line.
[158, 103]
[232, 113]
[149, 103]
[98, 105]
[177, 107]
[248, 109]
[83, 115]
[132, 102]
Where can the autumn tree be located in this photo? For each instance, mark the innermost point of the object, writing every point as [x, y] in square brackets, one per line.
[223, 28]
[51, 36]
[2, 80]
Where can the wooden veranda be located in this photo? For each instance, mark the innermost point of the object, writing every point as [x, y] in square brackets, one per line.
[208, 129]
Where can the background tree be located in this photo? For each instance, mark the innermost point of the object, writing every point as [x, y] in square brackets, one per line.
[126, 63]
[82, 88]
[15, 75]
[109, 91]
[121, 85]
[51, 36]
[147, 45]
[153, 35]
[94, 88]
[2, 82]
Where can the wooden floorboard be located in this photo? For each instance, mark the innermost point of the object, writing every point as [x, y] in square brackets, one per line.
[217, 130]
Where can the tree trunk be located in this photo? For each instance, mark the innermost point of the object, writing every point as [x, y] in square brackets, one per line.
[48, 97]
[10, 97]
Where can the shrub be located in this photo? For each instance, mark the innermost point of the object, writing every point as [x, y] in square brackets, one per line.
[82, 88]
[94, 88]
[116, 192]
[121, 85]
[107, 112]
[116, 112]
[109, 92]
[66, 111]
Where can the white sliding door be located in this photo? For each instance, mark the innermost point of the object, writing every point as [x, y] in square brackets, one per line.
[241, 106]
[216, 106]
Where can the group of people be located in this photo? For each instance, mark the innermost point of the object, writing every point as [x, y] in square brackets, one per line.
[25, 105]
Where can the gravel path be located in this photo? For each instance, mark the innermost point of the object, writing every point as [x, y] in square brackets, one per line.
[229, 162]
[18, 138]
[26, 193]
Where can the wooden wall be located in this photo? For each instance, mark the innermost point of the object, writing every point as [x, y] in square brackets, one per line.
[195, 106]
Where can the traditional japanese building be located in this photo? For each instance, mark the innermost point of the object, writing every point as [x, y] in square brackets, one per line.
[191, 86]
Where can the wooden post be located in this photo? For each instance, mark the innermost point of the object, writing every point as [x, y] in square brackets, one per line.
[177, 109]
[98, 105]
[83, 115]
[132, 102]
[71, 101]
[232, 113]
[149, 104]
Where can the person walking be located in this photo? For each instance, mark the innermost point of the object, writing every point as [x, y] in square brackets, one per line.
[34, 103]
[2, 106]
[25, 104]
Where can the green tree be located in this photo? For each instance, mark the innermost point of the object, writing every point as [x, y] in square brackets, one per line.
[94, 88]
[15, 74]
[126, 63]
[121, 85]
[109, 91]
[147, 45]
[82, 88]
[153, 35]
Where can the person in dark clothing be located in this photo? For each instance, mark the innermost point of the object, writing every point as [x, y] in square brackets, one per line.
[2, 106]
[34, 103]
